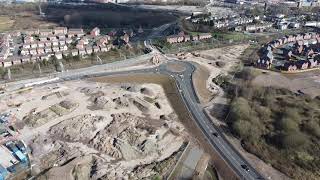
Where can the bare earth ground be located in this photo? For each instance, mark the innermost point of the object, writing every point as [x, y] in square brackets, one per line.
[217, 102]
[308, 82]
[83, 128]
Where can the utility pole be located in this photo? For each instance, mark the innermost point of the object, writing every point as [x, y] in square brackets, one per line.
[42, 14]
[39, 67]
[99, 59]
[9, 74]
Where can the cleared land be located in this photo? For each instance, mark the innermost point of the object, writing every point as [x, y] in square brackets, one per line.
[307, 83]
[5, 23]
[81, 129]
[210, 64]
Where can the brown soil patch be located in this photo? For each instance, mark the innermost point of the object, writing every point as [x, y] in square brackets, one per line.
[199, 79]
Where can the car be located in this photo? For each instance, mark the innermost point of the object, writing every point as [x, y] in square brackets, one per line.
[215, 134]
[245, 167]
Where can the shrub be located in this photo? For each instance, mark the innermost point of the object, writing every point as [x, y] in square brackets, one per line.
[293, 139]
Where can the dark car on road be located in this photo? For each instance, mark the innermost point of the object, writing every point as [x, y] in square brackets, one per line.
[245, 167]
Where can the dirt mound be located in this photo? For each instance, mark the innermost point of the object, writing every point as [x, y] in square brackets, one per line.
[68, 130]
[146, 91]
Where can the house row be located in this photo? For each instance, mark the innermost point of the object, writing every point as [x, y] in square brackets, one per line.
[185, 38]
[58, 52]
[222, 22]
[266, 53]
[49, 49]
[91, 49]
[301, 64]
[257, 27]
[4, 52]
[294, 38]
[47, 32]
[42, 44]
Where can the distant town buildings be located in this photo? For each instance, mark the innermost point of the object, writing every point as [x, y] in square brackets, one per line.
[41, 44]
[300, 52]
[181, 37]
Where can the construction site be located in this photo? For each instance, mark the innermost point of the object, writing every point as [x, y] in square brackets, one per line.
[87, 129]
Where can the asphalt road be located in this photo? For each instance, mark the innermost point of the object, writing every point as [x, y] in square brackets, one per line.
[219, 143]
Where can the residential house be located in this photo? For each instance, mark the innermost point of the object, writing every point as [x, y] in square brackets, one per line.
[55, 49]
[301, 64]
[65, 53]
[85, 41]
[33, 51]
[172, 39]
[24, 52]
[45, 32]
[62, 43]
[35, 58]
[96, 49]
[25, 59]
[52, 37]
[263, 64]
[40, 44]
[126, 38]
[295, 25]
[75, 32]
[75, 52]
[68, 40]
[140, 30]
[58, 55]
[48, 43]
[103, 40]
[129, 32]
[61, 36]
[6, 63]
[195, 38]
[64, 48]
[112, 33]
[60, 30]
[31, 32]
[95, 32]
[45, 57]
[187, 38]
[48, 50]
[40, 51]
[104, 48]
[26, 46]
[205, 36]
[28, 39]
[289, 66]
[312, 63]
[80, 45]
[55, 42]
[43, 38]
[82, 52]
[110, 46]
[34, 45]
[306, 36]
[89, 50]
[16, 61]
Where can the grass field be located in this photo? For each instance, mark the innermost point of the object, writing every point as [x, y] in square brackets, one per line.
[5, 23]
